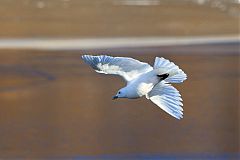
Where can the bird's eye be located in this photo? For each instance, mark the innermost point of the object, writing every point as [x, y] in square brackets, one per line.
[119, 92]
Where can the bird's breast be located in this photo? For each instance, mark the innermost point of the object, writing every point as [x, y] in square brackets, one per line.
[137, 90]
[143, 88]
[143, 84]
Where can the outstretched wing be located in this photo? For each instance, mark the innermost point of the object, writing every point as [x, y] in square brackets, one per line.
[128, 68]
[168, 98]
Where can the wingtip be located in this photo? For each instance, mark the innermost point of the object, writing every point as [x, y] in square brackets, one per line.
[178, 116]
[84, 56]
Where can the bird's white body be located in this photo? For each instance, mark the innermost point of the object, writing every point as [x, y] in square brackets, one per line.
[144, 80]
[142, 85]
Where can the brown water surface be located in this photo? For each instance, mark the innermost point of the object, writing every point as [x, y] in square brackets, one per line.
[52, 104]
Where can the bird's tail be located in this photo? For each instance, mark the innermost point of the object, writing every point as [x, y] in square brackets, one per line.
[164, 66]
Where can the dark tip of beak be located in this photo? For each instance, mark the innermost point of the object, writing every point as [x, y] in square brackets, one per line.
[115, 97]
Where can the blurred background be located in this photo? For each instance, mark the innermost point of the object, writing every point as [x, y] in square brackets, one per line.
[52, 105]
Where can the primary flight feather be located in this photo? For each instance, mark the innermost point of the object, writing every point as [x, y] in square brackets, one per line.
[144, 80]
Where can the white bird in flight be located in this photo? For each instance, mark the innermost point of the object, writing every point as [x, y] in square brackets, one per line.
[144, 80]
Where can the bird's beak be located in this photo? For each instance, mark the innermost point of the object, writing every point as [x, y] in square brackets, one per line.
[115, 97]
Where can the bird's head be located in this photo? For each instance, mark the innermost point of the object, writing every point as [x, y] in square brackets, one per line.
[121, 94]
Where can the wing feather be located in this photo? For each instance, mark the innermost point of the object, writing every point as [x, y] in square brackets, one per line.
[167, 98]
[128, 68]
[164, 63]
